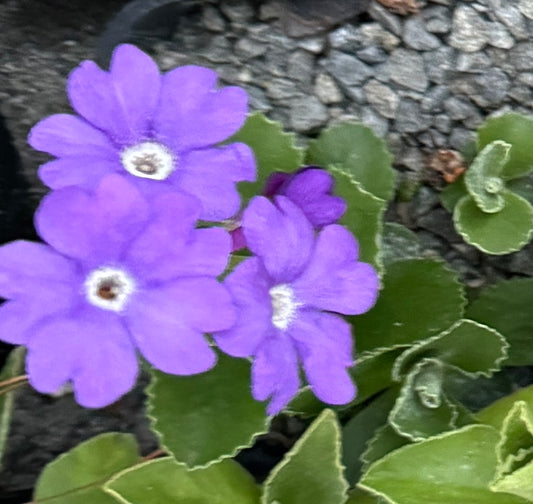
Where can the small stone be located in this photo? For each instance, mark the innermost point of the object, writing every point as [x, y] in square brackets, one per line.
[301, 66]
[237, 11]
[439, 64]
[257, 99]
[521, 56]
[385, 18]
[248, 48]
[500, 37]
[346, 38]
[416, 36]
[307, 114]
[443, 123]
[459, 108]
[410, 119]
[521, 94]
[439, 223]
[492, 87]
[460, 138]
[281, 89]
[372, 55]
[212, 19]
[378, 124]
[346, 69]
[406, 67]
[425, 199]
[382, 98]
[413, 159]
[526, 8]
[513, 20]
[375, 34]
[327, 90]
[434, 98]
[469, 30]
[270, 10]
[526, 78]
[314, 45]
[476, 62]
[437, 19]
[218, 49]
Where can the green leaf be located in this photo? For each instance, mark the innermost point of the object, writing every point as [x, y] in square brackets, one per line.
[468, 346]
[452, 193]
[384, 441]
[522, 186]
[453, 467]
[496, 413]
[274, 149]
[506, 306]
[14, 366]
[420, 298]
[311, 471]
[399, 243]
[163, 481]
[202, 418]
[515, 129]
[355, 149]
[360, 428]
[482, 179]
[363, 217]
[519, 482]
[498, 233]
[422, 409]
[358, 496]
[78, 476]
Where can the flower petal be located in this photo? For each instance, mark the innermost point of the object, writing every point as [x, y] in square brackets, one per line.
[29, 268]
[309, 190]
[275, 372]
[324, 345]
[334, 280]
[165, 331]
[211, 174]
[82, 172]
[248, 285]
[65, 135]
[280, 235]
[193, 114]
[94, 352]
[138, 96]
[92, 226]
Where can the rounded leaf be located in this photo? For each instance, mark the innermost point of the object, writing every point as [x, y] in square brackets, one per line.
[495, 233]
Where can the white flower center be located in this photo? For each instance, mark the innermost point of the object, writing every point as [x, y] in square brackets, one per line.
[284, 305]
[148, 160]
[109, 288]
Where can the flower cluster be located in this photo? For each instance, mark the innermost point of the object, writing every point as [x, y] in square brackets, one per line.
[124, 270]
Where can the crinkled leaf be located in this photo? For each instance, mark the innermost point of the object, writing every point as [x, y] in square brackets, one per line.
[507, 306]
[496, 413]
[420, 298]
[274, 149]
[78, 476]
[497, 233]
[399, 243]
[202, 418]
[164, 481]
[422, 408]
[355, 149]
[452, 193]
[363, 217]
[467, 345]
[385, 440]
[311, 471]
[454, 467]
[360, 428]
[13, 366]
[482, 179]
[515, 129]
[358, 496]
[519, 482]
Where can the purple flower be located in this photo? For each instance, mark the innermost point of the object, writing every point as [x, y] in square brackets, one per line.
[158, 130]
[310, 189]
[118, 274]
[285, 297]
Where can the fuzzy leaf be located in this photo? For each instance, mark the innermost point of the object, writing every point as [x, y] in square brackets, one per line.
[399, 243]
[164, 481]
[363, 217]
[496, 413]
[498, 233]
[202, 418]
[311, 471]
[274, 149]
[355, 149]
[420, 298]
[358, 496]
[515, 129]
[506, 306]
[385, 440]
[454, 467]
[78, 476]
[468, 346]
[482, 179]
[13, 366]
